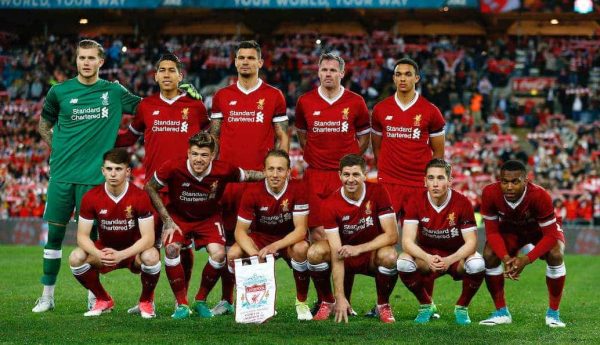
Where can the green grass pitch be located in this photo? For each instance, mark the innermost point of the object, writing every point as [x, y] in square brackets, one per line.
[527, 299]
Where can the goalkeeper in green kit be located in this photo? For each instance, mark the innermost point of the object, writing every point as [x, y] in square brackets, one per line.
[80, 121]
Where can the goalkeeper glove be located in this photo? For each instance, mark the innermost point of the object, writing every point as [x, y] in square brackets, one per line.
[190, 90]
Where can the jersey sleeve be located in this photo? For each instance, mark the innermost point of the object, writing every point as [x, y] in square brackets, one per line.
[280, 113]
[362, 122]
[203, 119]
[163, 174]
[134, 130]
[301, 207]
[546, 219]
[246, 209]
[51, 106]
[216, 112]
[328, 217]
[467, 217]
[300, 122]
[411, 210]
[376, 126]
[86, 210]
[384, 203]
[129, 101]
[437, 125]
[492, 226]
[145, 208]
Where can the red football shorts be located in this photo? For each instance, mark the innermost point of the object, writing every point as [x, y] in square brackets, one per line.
[201, 232]
[127, 263]
[262, 240]
[359, 264]
[400, 196]
[319, 185]
[515, 241]
[452, 270]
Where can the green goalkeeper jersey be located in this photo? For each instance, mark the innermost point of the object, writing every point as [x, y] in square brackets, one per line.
[86, 122]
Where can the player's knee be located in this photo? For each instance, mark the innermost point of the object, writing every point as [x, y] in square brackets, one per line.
[217, 255]
[234, 252]
[318, 252]
[77, 257]
[490, 259]
[406, 264]
[172, 250]
[150, 257]
[474, 264]
[387, 257]
[299, 250]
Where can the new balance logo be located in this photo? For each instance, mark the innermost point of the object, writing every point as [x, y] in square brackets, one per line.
[424, 220]
[264, 208]
[345, 218]
[103, 211]
[74, 101]
[233, 103]
[185, 184]
[389, 117]
[156, 112]
[316, 113]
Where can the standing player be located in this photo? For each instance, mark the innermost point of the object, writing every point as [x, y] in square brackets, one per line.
[80, 118]
[279, 210]
[166, 120]
[249, 118]
[439, 236]
[195, 186]
[408, 131]
[125, 235]
[361, 230]
[517, 212]
[331, 122]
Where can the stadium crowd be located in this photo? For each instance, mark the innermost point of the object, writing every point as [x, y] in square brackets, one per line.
[467, 78]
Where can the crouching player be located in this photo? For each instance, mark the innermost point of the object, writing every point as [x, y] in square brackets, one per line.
[517, 212]
[125, 235]
[360, 224]
[279, 210]
[439, 236]
[195, 185]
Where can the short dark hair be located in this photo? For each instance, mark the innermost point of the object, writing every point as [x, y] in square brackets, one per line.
[203, 139]
[439, 163]
[170, 57]
[332, 57]
[407, 61]
[88, 44]
[117, 156]
[252, 44]
[513, 165]
[352, 160]
[278, 153]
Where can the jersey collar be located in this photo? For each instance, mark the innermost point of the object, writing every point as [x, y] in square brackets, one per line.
[249, 91]
[407, 106]
[440, 208]
[280, 194]
[172, 100]
[117, 198]
[330, 101]
[516, 204]
[203, 175]
[358, 202]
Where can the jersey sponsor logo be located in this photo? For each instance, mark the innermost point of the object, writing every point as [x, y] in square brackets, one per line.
[74, 101]
[389, 117]
[260, 117]
[260, 105]
[104, 98]
[176, 126]
[440, 234]
[416, 133]
[104, 112]
[245, 116]
[80, 114]
[363, 223]
[330, 127]
[316, 113]
[103, 211]
[156, 112]
[233, 103]
[424, 220]
[185, 184]
[264, 208]
[397, 132]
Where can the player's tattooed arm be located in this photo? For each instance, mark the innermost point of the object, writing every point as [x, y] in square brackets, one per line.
[281, 134]
[253, 176]
[45, 129]
[215, 128]
[152, 188]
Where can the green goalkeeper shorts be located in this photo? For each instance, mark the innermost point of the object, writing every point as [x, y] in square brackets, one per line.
[62, 198]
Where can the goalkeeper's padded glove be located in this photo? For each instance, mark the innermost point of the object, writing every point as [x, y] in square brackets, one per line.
[190, 90]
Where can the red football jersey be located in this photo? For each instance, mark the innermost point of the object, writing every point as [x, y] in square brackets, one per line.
[195, 198]
[357, 221]
[247, 129]
[441, 227]
[533, 212]
[166, 126]
[331, 126]
[405, 133]
[118, 217]
[271, 213]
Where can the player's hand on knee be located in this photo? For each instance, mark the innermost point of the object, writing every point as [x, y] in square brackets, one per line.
[270, 249]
